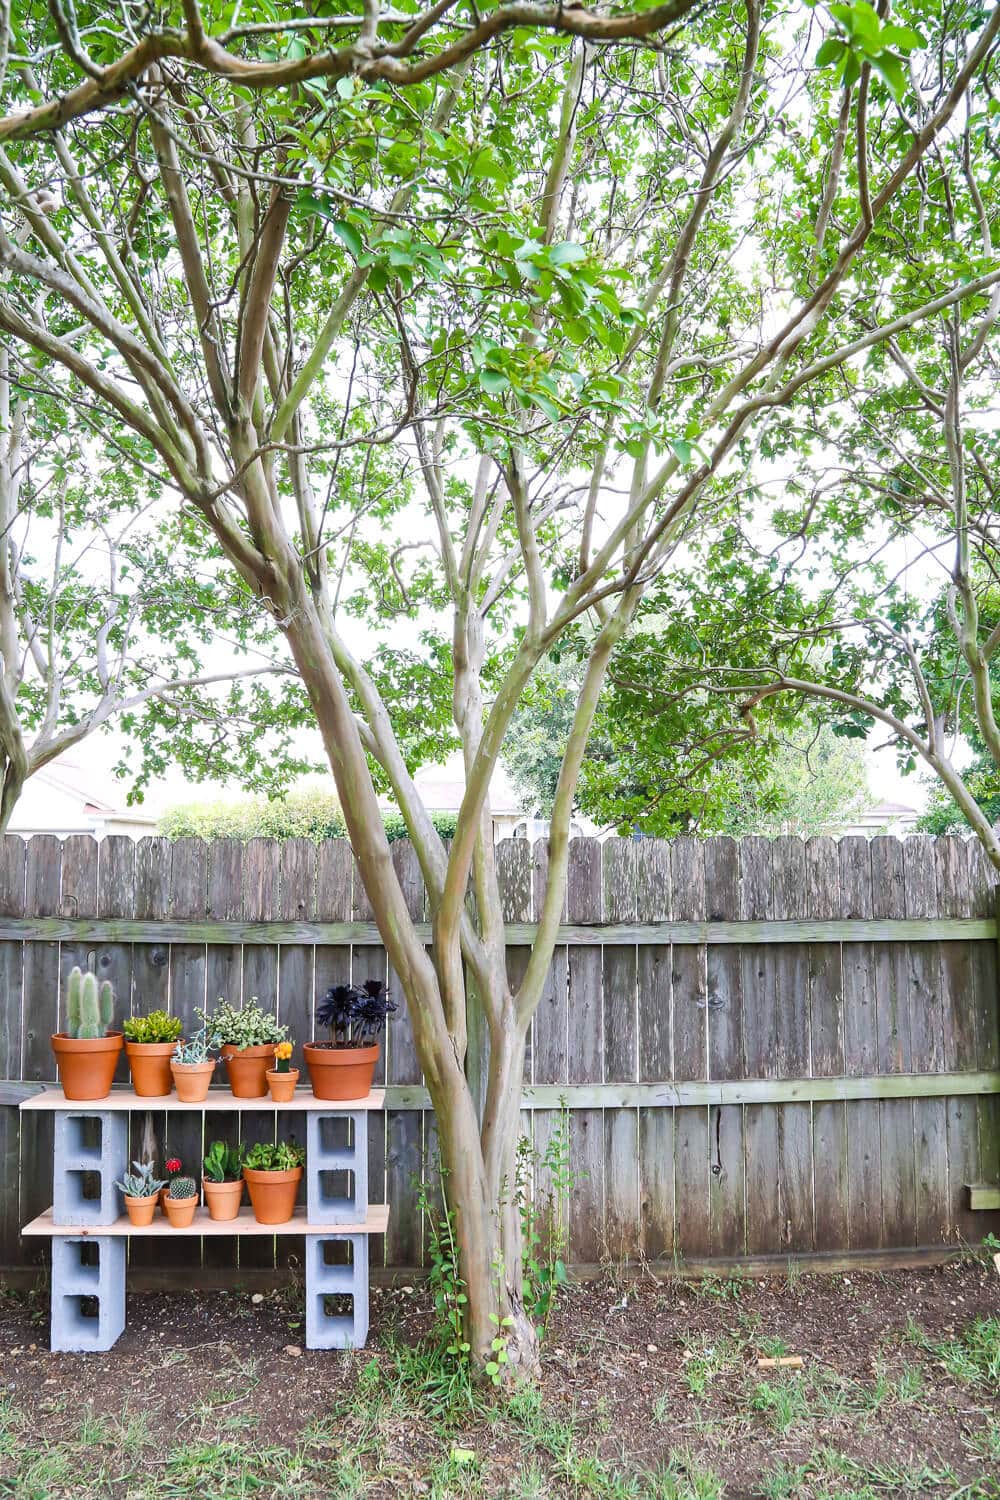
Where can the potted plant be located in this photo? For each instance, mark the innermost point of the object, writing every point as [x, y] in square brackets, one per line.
[87, 1051]
[282, 1078]
[149, 1045]
[181, 1201]
[342, 1068]
[173, 1166]
[247, 1038]
[192, 1066]
[222, 1180]
[272, 1174]
[141, 1191]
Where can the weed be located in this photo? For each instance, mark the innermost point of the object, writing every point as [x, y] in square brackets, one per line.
[784, 1403]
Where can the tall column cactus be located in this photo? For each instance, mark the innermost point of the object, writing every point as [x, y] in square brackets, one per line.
[89, 1005]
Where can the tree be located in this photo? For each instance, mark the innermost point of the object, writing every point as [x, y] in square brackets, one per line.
[108, 608]
[465, 334]
[646, 769]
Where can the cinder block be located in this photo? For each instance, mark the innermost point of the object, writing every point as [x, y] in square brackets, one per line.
[88, 1301]
[325, 1330]
[75, 1160]
[323, 1206]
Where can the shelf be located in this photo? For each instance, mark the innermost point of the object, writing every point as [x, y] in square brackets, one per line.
[202, 1225]
[123, 1098]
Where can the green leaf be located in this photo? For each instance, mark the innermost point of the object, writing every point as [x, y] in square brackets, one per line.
[891, 69]
[682, 448]
[348, 236]
[494, 382]
[830, 52]
[567, 253]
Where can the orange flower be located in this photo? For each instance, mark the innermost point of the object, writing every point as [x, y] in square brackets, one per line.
[283, 1049]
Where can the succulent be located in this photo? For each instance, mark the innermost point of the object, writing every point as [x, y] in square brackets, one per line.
[355, 1015]
[283, 1057]
[249, 1027]
[197, 1049]
[223, 1163]
[141, 1183]
[156, 1027]
[267, 1156]
[90, 1004]
[182, 1187]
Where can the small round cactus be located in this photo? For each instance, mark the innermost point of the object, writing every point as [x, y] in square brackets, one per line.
[182, 1187]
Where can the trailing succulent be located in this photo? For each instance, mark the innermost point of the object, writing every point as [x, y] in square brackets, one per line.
[141, 1183]
[156, 1027]
[249, 1027]
[182, 1187]
[223, 1163]
[267, 1156]
[90, 1005]
[355, 1014]
[197, 1049]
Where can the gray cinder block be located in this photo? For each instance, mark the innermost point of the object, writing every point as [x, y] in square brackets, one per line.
[322, 1205]
[73, 1330]
[74, 1159]
[326, 1330]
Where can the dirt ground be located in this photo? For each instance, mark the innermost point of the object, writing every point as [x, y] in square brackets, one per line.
[650, 1390]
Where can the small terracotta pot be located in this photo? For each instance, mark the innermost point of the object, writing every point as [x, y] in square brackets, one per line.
[247, 1068]
[192, 1080]
[86, 1064]
[272, 1194]
[180, 1211]
[150, 1065]
[223, 1199]
[141, 1210]
[161, 1199]
[340, 1072]
[282, 1085]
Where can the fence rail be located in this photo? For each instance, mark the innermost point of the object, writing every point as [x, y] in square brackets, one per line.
[763, 1048]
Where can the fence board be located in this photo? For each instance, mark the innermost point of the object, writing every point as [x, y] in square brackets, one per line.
[223, 978]
[586, 1054]
[12, 876]
[261, 902]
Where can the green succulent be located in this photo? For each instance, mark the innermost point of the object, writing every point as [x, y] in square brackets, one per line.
[223, 1163]
[141, 1183]
[182, 1187]
[267, 1156]
[156, 1027]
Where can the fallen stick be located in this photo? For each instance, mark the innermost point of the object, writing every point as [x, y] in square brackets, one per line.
[787, 1362]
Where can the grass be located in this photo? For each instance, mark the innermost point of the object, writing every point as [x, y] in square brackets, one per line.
[404, 1423]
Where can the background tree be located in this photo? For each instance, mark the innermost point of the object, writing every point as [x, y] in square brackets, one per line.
[466, 336]
[110, 608]
[655, 768]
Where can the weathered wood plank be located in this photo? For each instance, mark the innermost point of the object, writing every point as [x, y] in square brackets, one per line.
[864, 1150]
[892, 874]
[404, 1143]
[13, 860]
[586, 1054]
[689, 976]
[519, 934]
[261, 902]
[151, 991]
[792, 1018]
[826, 976]
[188, 898]
[296, 902]
[223, 977]
[40, 1019]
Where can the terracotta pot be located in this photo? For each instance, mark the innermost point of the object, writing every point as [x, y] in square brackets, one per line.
[180, 1211]
[150, 1065]
[161, 1198]
[341, 1072]
[282, 1085]
[141, 1210]
[192, 1080]
[86, 1064]
[223, 1199]
[248, 1069]
[272, 1194]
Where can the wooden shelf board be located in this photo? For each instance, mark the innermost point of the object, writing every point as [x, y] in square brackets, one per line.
[123, 1098]
[376, 1223]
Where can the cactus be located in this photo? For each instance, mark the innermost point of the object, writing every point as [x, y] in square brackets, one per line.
[182, 1187]
[89, 1005]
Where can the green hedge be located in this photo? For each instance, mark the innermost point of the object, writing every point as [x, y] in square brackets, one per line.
[304, 814]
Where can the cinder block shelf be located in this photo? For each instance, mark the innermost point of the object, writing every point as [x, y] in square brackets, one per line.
[124, 1098]
[376, 1222]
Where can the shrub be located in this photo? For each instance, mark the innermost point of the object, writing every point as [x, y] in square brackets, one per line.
[249, 1027]
[306, 813]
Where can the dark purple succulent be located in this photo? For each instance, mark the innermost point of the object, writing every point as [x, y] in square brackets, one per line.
[355, 1015]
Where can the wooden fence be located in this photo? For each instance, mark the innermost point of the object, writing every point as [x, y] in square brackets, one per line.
[765, 1048]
